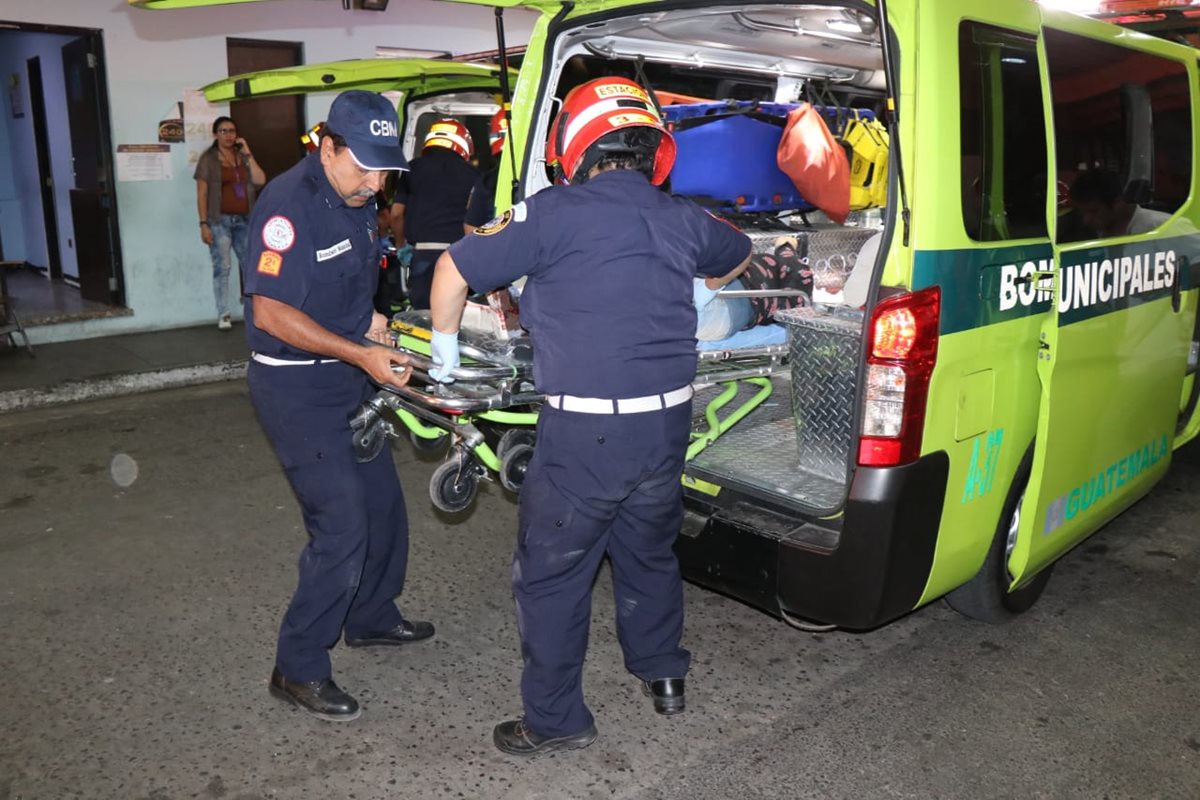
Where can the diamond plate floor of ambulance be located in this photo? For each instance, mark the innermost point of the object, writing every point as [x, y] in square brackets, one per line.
[760, 452]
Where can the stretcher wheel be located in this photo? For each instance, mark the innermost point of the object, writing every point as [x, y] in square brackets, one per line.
[514, 466]
[428, 445]
[512, 438]
[454, 485]
[370, 434]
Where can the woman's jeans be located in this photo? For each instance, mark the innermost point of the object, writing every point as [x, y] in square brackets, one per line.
[229, 237]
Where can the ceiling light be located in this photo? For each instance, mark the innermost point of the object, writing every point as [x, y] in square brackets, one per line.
[1078, 6]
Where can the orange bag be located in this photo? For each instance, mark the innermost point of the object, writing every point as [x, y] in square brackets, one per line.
[816, 162]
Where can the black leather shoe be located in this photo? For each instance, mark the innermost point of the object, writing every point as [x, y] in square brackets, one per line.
[514, 738]
[322, 699]
[667, 694]
[405, 633]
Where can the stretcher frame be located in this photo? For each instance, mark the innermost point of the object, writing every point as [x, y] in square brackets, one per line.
[488, 390]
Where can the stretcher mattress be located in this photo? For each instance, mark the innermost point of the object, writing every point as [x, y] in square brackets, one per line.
[758, 336]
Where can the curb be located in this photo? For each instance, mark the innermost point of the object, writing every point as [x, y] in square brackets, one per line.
[117, 385]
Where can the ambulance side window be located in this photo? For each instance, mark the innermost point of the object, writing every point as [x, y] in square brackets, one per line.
[1003, 134]
[1123, 136]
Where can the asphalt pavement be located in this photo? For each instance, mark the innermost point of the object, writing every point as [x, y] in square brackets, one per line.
[148, 547]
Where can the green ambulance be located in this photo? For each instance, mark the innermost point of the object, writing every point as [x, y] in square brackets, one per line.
[1024, 366]
[1019, 378]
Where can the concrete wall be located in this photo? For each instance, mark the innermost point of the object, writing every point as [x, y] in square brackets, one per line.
[152, 56]
[21, 218]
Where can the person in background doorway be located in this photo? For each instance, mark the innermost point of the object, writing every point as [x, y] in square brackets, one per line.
[227, 178]
[431, 202]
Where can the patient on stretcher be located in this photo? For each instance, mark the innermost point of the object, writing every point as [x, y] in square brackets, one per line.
[729, 322]
[732, 322]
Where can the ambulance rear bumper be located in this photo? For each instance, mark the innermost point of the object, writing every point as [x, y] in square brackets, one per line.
[871, 571]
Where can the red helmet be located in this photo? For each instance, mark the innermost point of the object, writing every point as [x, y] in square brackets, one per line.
[599, 107]
[497, 130]
[451, 134]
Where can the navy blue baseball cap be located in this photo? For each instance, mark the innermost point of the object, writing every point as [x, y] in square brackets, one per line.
[367, 121]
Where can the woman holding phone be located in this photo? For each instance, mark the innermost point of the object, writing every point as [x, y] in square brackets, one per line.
[226, 179]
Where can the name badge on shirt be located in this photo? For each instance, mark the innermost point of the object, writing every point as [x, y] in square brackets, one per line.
[335, 251]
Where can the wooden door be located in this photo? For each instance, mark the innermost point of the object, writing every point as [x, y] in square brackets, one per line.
[96, 237]
[271, 125]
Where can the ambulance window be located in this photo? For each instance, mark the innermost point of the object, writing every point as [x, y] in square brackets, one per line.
[1123, 136]
[1003, 134]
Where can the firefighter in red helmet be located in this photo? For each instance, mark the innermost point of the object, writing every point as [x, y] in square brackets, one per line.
[431, 201]
[610, 261]
[481, 206]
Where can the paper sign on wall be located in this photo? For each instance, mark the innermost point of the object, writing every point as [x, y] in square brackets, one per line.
[144, 162]
[16, 95]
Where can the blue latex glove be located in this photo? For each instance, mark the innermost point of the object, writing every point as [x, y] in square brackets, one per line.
[701, 294]
[404, 255]
[444, 347]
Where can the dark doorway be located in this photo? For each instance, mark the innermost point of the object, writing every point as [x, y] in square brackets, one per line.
[271, 125]
[37, 105]
[92, 198]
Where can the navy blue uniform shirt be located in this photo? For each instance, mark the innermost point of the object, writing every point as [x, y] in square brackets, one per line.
[434, 192]
[310, 250]
[608, 303]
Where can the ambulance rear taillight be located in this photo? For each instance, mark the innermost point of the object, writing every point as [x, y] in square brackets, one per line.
[903, 350]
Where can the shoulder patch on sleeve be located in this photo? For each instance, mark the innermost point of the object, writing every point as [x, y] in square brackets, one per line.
[279, 234]
[496, 225]
[270, 262]
[517, 213]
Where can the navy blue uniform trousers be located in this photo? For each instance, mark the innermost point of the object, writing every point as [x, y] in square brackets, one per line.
[357, 554]
[420, 277]
[598, 484]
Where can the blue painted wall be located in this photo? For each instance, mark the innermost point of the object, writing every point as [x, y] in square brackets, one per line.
[152, 56]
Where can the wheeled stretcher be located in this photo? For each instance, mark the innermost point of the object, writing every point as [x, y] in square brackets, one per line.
[488, 414]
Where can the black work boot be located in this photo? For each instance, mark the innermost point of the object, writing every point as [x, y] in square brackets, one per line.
[514, 738]
[322, 699]
[405, 633]
[667, 694]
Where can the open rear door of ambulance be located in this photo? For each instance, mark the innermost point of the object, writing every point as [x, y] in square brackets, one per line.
[187, 3]
[1114, 346]
[408, 75]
